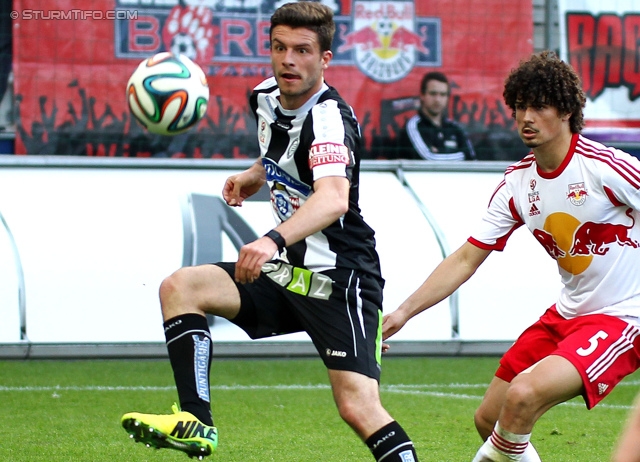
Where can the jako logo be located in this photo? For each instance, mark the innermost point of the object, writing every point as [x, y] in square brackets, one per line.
[340, 354]
[383, 439]
[173, 324]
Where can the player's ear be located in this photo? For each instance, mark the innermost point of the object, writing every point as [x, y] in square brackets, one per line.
[326, 58]
[566, 117]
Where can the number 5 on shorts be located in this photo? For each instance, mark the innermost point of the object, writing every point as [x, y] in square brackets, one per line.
[593, 343]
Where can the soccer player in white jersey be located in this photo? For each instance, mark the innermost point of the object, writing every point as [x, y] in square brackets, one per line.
[580, 200]
[317, 271]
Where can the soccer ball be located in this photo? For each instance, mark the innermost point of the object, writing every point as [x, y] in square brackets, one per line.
[168, 93]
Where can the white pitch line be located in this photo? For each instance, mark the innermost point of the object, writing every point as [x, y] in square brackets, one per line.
[418, 390]
[629, 383]
[390, 388]
[438, 385]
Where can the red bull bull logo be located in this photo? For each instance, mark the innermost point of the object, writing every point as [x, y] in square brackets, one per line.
[403, 39]
[366, 38]
[575, 244]
[385, 40]
[596, 238]
[549, 243]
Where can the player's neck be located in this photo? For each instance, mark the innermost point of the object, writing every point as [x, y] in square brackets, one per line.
[550, 155]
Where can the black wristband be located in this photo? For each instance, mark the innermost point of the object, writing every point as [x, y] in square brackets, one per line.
[276, 237]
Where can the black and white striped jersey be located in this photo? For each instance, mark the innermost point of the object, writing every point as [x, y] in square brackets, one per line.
[319, 139]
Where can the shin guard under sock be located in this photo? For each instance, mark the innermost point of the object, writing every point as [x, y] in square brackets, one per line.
[189, 345]
[392, 444]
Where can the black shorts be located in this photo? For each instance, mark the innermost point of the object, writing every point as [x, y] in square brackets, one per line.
[340, 309]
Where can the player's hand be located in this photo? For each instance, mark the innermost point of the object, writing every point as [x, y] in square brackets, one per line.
[235, 192]
[251, 258]
[238, 187]
[392, 323]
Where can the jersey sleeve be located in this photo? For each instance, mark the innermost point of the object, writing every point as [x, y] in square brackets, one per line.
[263, 88]
[621, 180]
[500, 220]
[329, 154]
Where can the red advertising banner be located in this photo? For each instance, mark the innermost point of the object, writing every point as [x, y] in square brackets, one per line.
[72, 60]
[601, 41]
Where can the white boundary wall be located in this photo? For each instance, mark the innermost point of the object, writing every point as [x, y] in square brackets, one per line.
[95, 237]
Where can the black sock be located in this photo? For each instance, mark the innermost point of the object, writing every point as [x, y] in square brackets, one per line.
[189, 345]
[392, 444]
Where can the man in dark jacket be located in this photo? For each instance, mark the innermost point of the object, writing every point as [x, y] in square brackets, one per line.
[429, 135]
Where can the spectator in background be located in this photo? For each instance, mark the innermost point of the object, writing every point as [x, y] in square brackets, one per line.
[430, 135]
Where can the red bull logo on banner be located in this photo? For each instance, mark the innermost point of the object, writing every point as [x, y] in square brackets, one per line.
[386, 41]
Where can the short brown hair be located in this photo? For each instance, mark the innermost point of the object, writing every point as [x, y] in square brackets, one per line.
[433, 75]
[311, 15]
[546, 80]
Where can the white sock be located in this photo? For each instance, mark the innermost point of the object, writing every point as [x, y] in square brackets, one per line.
[530, 454]
[504, 446]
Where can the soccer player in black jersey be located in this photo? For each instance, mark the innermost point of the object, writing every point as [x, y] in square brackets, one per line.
[317, 271]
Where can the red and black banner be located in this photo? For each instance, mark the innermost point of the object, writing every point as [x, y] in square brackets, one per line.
[602, 42]
[72, 60]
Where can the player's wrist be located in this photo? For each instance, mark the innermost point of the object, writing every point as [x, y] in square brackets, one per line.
[276, 237]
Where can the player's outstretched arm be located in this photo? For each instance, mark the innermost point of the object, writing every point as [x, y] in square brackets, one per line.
[238, 187]
[442, 282]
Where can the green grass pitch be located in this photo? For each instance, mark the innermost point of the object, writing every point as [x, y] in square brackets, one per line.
[275, 410]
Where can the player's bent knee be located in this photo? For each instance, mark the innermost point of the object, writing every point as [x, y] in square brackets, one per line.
[171, 284]
[174, 288]
[364, 418]
[352, 413]
[348, 412]
[520, 397]
[184, 279]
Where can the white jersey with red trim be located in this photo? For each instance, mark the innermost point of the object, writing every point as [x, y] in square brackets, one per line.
[585, 215]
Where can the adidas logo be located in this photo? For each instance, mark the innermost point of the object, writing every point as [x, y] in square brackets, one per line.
[602, 387]
[192, 429]
[534, 210]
